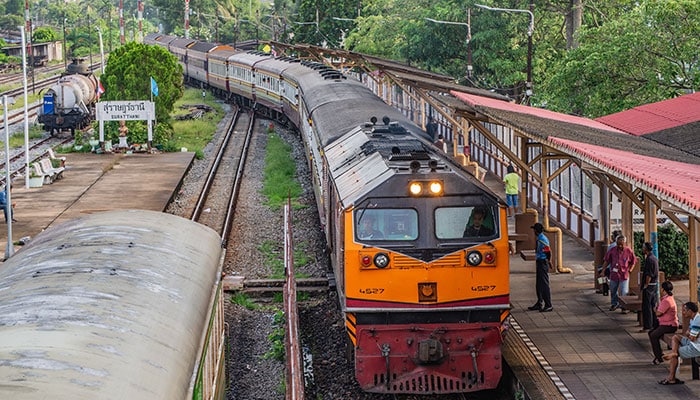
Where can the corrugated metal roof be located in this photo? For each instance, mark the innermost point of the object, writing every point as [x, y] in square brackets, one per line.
[474, 101]
[656, 117]
[677, 180]
[667, 170]
[359, 179]
[354, 172]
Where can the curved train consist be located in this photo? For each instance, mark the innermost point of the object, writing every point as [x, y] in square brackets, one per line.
[423, 286]
[70, 103]
[114, 305]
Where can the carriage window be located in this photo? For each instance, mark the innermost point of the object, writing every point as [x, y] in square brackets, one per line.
[386, 224]
[465, 222]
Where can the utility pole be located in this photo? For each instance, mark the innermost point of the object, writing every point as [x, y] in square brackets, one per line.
[121, 22]
[187, 19]
[65, 49]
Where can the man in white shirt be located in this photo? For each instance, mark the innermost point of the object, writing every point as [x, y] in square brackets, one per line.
[686, 345]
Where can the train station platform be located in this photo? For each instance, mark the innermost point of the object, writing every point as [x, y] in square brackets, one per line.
[587, 351]
[93, 183]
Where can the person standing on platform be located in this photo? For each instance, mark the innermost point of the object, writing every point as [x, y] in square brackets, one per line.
[666, 320]
[686, 345]
[431, 128]
[542, 256]
[6, 207]
[621, 260]
[650, 279]
[440, 143]
[606, 272]
[512, 181]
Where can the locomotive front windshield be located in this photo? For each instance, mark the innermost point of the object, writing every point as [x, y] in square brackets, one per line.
[472, 222]
[386, 224]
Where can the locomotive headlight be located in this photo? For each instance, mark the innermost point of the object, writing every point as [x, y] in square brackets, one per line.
[474, 258]
[381, 260]
[415, 188]
[425, 188]
[435, 187]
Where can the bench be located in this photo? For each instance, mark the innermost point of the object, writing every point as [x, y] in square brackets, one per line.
[694, 362]
[632, 302]
[528, 255]
[39, 172]
[52, 156]
[49, 169]
[519, 238]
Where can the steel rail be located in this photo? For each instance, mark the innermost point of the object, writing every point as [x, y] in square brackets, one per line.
[214, 168]
[230, 210]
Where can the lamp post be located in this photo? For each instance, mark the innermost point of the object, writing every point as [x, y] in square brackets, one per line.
[65, 49]
[470, 68]
[26, 113]
[530, 29]
[102, 50]
[87, 14]
[9, 250]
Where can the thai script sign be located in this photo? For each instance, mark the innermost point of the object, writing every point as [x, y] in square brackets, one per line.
[133, 110]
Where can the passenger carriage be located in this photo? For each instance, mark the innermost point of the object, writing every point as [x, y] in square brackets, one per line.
[179, 48]
[115, 305]
[218, 70]
[242, 75]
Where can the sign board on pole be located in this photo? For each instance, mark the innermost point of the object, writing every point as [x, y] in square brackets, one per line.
[130, 110]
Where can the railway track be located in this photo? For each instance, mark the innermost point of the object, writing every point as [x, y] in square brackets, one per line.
[216, 203]
[216, 207]
[14, 77]
[223, 183]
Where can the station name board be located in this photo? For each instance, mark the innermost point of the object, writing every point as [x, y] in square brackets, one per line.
[131, 110]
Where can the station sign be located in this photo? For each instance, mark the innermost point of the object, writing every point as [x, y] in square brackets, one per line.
[130, 110]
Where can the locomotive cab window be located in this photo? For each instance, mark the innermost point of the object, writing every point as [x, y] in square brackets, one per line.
[388, 224]
[473, 222]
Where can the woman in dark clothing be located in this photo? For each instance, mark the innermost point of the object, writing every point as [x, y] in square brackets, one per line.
[650, 278]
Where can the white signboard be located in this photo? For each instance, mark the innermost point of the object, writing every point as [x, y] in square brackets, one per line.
[132, 110]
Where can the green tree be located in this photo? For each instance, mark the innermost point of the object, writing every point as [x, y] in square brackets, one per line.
[673, 250]
[14, 7]
[44, 34]
[9, 23]
[171, 13]
[128, 77]
[643, 56]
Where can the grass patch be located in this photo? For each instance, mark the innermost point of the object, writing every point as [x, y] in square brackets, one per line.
[273, 252]
[195, 134]
[17, 139]
[277, 338]
[280, 172]
[19, 100]
[243, 300]
[274, 257]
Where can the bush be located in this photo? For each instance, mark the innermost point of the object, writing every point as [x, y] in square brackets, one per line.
[673, 250]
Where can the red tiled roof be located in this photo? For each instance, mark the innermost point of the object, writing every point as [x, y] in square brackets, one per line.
[677, 180]
[475, 101]
[656, 117]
